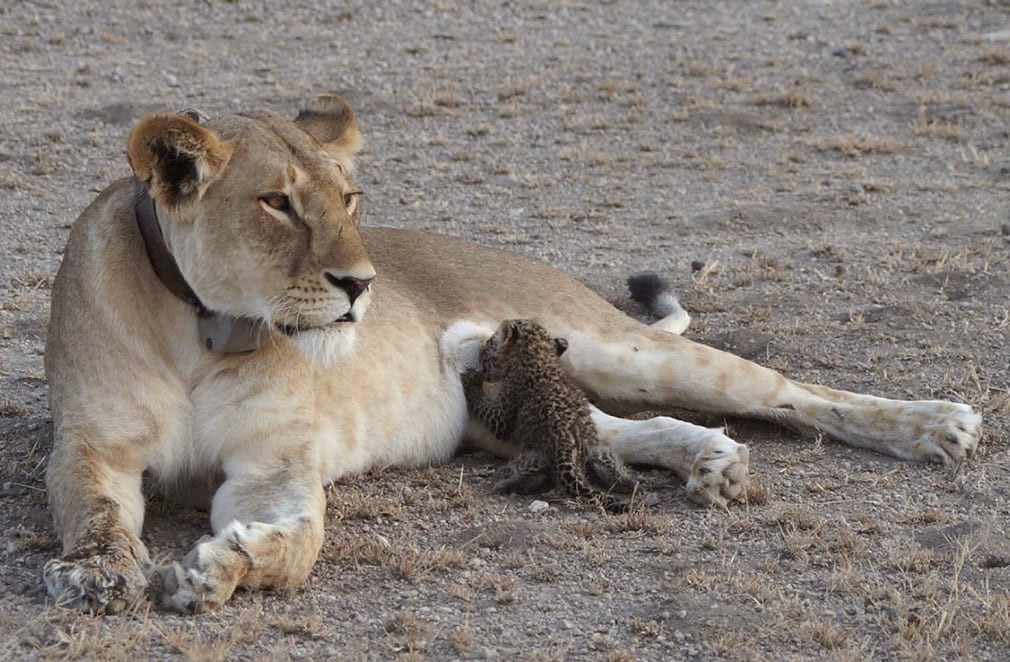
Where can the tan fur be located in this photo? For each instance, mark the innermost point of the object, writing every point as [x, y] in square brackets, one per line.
[261, 216]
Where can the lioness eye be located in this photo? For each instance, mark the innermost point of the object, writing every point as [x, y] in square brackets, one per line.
[351, 200]
[277, 201]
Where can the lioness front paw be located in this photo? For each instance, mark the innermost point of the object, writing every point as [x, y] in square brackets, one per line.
[719, 473]
[205, 579]
[100, 583]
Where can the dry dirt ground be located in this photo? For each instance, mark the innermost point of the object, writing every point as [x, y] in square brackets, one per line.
[826, 183]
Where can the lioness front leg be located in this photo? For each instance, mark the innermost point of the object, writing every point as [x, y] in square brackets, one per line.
[712, 466]
[98, 508]
[268, 530]
[648, 369]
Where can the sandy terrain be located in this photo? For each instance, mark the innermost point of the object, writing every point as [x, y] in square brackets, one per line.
[826, 183]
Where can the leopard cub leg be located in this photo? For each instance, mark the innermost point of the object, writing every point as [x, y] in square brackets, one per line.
[571, 469]
[527, 473]
[606, 471]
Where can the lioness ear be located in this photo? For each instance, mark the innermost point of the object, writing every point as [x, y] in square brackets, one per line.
[330, 120]
[177, 157]
[560, 345]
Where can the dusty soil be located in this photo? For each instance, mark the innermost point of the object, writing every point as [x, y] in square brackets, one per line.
[825, 183]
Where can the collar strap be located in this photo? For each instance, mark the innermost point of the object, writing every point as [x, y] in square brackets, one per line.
[164, 265]
[218, 333]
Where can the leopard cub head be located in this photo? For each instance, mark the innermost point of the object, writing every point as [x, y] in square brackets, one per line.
[519, 344]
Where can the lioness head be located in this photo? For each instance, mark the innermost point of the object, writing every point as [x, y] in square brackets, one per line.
[261, 215]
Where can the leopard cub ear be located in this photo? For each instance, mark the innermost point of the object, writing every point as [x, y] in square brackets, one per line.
[560, 346]
[507, 332]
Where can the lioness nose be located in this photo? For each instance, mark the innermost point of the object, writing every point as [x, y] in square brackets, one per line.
[352, 286]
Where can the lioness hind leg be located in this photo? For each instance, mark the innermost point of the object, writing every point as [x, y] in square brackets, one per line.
[645, 369]
[268, 533]
[922, 430]
[99, 512]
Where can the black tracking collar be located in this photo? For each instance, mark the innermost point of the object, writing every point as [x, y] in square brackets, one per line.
[218, 332]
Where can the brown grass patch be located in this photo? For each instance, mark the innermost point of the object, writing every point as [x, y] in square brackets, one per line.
[792, 99]
[933, 128]
[637, 520]
[825, 633]
[461, 639]
[994, 621]
[405, 561]
[859, 144]
[995, 55]
[757, 493]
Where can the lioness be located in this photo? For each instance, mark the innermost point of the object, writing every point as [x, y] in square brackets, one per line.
[249, 240]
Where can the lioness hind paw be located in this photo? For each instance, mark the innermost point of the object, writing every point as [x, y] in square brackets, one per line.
[952, 435]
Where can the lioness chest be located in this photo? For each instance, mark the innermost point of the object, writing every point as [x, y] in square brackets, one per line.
[389, 401]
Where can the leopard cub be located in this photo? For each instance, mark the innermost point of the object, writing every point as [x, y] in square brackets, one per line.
[521, 393]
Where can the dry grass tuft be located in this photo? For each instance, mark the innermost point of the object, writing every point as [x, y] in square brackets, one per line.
[996, 55]
[80, 638]
[758, 493]
[194, 642]
[791, 99]
[799, 519]
[858, 144]
[585, 530]
[917, 561]
[731, 643]
[928, 516]
[505, 588]
[414, 564]
[933, 128]
[311, 627]
[994, 621]
[461, 639]
[10, 409]
[407, 633]
[405, 561]
[637, 520]
[646, 629]
[826, 633]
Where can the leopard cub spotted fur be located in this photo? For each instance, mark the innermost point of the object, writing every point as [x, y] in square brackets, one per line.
[521, 393]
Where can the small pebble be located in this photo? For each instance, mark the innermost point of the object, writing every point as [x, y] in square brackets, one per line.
[537, 506]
